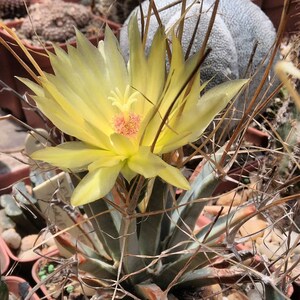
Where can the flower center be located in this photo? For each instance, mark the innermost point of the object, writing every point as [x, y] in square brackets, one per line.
[127, 125]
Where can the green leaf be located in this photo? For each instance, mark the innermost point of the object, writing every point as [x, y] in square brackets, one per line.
[132, 262]
[69, 245]
[274, 293]
[197, 257]
[97, 267]
[185, 217]
[184, 264]
[212, 234]
[4, 293]
[106, 222]
[150, 228]
[210, 275]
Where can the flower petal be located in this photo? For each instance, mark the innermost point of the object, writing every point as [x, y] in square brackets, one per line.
[150, 165]
[116, 68]
[156, 66]
[83, 93]
[128, 173]
[123, 145]
[173, 176]
[192, 124]
[95, 185]
[176, 76]
[77, 76]
[137, 59]
[146, 163]
[58, 109]
[108, 159]
[71, 155]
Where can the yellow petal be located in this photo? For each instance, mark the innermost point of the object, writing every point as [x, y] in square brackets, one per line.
[156, 65]
[63, 116]
[69, 121]
[80, 71]
[149, 127]
[150, 165]
[108, 159]
[146, 163]
[95, 185]
[176, 77]
[180, 92]
[193, 123]
[128, 173]
[137, 60]
[115, 63]
[223, 93]
[78, 81]
[70, 155]
[123, 145]
[173, 176]
[94, 63]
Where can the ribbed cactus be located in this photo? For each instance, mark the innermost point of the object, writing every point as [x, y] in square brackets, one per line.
[55, 20]
[10, 9]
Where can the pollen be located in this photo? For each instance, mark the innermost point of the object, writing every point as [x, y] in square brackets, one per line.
[127, 125]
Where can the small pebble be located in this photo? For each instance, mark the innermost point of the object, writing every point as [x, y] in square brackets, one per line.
[28, 242]
[254, 228]
[12, 238]
[272, 251]
[233, 198]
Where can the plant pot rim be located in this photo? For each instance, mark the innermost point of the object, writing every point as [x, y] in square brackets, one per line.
[14, 281]
[15, 258]
[34, 272]
[257, 137]
[19, 173]
[5, 260]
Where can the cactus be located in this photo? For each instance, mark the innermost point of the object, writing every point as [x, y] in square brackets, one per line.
[55, 20]
[145, 236]
[147, 239]
[138, 243]
[10, 9]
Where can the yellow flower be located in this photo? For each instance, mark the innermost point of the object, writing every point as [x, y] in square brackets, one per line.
[124, 117]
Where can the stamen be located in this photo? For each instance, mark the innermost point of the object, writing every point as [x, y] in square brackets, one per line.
[127, 125]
